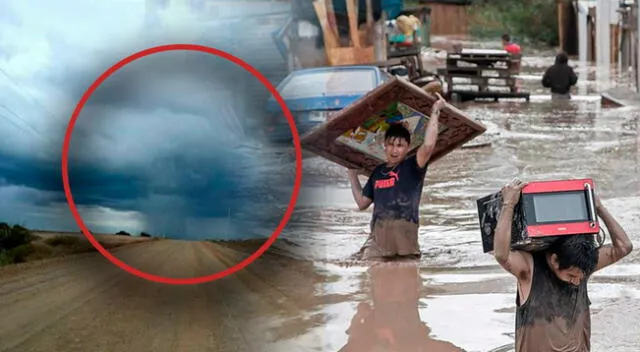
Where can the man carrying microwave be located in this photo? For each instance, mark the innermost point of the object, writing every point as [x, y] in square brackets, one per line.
[552, 311]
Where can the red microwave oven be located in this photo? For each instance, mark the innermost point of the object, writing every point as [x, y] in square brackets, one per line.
[546, 210]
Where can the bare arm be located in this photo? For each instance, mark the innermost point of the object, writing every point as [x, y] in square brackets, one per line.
[356, 189]
[431, 135]
[620, 245]
[518, 263]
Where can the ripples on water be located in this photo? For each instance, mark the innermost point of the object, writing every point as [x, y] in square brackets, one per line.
[468, 299]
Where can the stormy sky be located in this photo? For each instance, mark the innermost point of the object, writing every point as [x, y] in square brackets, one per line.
[159, 147]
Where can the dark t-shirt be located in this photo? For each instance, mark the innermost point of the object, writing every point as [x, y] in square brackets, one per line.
[396, 191]
[559, 78]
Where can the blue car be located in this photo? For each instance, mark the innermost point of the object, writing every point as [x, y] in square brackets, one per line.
[312, 94]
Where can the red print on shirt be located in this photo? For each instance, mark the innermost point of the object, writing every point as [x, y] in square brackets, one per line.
[389, 182]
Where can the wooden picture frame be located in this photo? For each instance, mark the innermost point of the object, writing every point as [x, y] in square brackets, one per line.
[353, 137]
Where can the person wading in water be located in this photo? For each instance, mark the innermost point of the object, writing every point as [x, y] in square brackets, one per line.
[552, 302]
[559, 78]
[395, 189]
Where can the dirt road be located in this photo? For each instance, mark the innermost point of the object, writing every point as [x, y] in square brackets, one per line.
[85, 303]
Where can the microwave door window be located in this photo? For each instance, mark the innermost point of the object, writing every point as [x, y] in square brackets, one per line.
[560, 207]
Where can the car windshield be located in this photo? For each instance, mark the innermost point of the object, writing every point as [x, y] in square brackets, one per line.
[329, 83]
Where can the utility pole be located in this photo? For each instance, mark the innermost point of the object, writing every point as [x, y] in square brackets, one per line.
[603, 30]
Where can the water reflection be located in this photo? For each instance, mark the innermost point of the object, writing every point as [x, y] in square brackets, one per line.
[390, 320]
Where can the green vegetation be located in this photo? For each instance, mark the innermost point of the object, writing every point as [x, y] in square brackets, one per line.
[531, 22]
[15, 244]
[62, 241]
[19, 244]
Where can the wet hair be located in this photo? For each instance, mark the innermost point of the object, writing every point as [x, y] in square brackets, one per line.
[397, 130]
[506, 37]
[562, 58]
[578, 251]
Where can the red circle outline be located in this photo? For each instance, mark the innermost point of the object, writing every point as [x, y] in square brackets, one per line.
[78, 218]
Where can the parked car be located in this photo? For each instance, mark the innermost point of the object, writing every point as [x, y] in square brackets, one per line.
[312, 94]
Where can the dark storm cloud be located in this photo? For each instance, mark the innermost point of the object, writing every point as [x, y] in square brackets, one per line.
[129, 86]
[159, 137]
[208, 191]
[88, 183]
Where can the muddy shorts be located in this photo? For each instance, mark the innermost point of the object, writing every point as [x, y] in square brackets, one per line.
[392, 238]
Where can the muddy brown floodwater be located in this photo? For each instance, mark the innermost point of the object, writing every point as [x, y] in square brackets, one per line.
[464, 300]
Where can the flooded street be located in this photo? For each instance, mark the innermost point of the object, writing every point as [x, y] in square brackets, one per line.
[458, 298]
